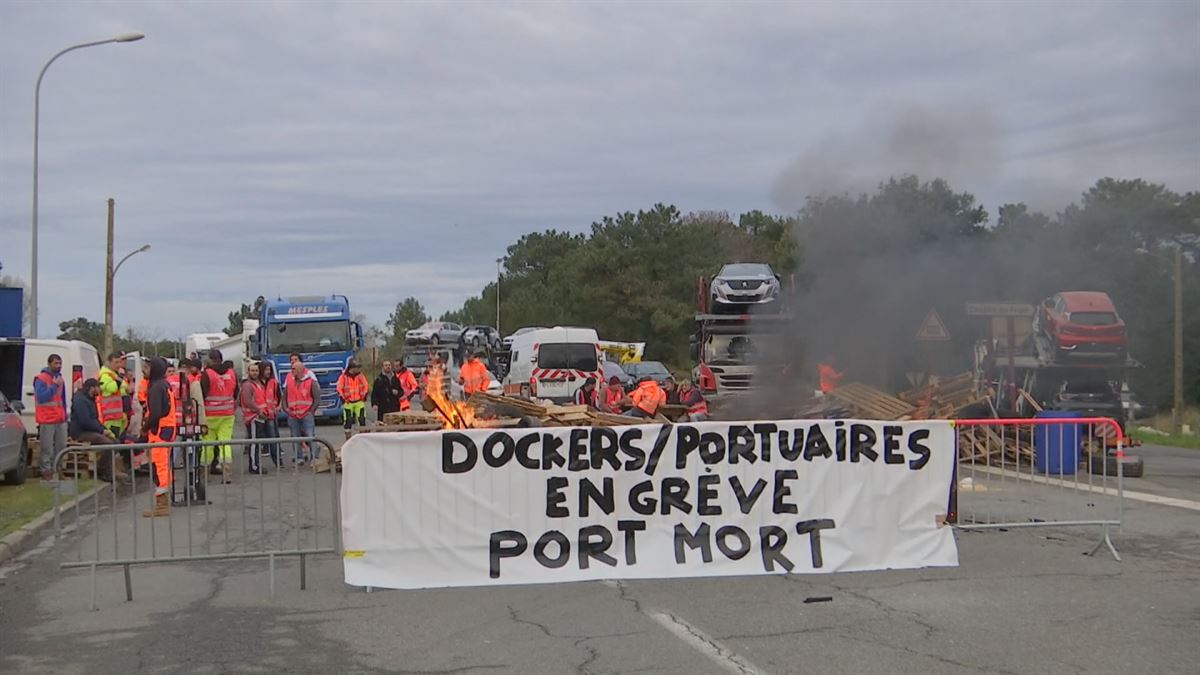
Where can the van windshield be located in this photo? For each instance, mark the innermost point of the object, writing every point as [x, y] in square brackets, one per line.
[571, 355]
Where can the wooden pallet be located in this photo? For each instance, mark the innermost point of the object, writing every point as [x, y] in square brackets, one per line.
[79, 465]
[870, 403]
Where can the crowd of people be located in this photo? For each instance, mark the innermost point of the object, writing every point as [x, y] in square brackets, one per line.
[200, 400]
[645, 399]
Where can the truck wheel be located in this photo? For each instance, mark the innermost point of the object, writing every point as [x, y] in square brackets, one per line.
[17, 475]
[1106, 465]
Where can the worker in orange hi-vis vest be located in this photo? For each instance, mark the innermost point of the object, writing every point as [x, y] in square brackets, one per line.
[828, 375]
[408, 385]
[352, 388]
[219, 384]
[473, 376]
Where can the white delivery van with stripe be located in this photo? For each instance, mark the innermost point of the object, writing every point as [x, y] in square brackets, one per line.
[553, 363]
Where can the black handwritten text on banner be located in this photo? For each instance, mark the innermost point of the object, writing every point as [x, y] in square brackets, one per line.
[515, 506]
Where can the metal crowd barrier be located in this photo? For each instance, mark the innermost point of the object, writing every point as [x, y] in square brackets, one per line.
[273, 515]
[1042, 472]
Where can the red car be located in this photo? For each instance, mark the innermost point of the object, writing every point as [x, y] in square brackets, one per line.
[1083, 324]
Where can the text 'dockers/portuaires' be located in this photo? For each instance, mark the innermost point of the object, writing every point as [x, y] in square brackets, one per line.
[511, 506]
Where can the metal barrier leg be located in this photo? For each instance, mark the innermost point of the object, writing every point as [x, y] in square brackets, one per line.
[271, 574]
[128, 585]
[93, 588]
[303, 573]
[1107, 540]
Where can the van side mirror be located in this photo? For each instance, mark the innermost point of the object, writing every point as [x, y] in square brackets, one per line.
[16, 406]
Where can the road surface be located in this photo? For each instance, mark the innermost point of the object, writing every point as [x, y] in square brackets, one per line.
[1021, 601]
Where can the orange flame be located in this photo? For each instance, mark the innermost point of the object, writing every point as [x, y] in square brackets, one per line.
[455, 414]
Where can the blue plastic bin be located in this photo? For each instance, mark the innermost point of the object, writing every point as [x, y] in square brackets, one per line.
[1056, 446]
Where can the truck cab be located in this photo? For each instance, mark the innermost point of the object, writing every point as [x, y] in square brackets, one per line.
[320, 330]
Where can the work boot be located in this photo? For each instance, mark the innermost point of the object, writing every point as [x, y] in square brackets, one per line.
[226, 472]
[162, 506]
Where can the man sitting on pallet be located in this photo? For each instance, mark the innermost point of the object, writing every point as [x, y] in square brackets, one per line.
[85, 427]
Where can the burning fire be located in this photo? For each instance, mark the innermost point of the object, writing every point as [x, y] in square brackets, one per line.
[455, 414]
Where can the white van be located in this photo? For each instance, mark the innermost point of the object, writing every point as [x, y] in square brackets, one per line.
[21, 359]
[553, 363]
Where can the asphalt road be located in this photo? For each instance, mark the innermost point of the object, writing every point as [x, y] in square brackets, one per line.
[1169, 472]
[1021, 601]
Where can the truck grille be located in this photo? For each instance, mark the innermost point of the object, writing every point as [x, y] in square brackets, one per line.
[745, 284]
[732, 381]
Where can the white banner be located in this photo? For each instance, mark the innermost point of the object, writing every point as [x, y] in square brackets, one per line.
[520, 506]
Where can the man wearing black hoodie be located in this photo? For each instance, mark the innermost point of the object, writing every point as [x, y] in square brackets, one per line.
[85, 427]
[159, 427]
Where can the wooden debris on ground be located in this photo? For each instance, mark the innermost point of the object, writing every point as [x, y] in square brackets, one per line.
[550, 414]
[869, 403]
[945, 398]
[987, 445]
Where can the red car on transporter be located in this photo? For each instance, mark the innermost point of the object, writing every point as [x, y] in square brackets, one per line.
[1083, 324]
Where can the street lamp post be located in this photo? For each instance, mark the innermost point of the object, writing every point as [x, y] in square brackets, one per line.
[37, 95]
[498, 261]
[110, 272]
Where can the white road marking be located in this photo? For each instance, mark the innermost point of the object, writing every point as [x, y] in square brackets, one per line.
[715, 651]
[1040, 479]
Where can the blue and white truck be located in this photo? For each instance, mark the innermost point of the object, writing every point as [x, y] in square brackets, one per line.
[320, 329]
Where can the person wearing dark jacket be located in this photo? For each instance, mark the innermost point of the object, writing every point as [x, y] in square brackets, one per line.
[159, 427]
[385, 394]
[85, 427]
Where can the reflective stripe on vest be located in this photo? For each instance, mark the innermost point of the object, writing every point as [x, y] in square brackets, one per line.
[168, 420]
[271, 394]
[352, 388]
[699, 408]
[112, 408]
[221, 390]
[52, 412]
[299, 396]
[260, 400]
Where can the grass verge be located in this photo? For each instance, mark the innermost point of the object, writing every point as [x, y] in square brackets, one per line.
[20, 504]
[1173, 440]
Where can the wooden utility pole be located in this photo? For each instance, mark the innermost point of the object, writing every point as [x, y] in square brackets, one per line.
[108, 285]
[1177, 412]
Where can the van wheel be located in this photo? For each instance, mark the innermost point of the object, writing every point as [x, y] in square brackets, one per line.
[17, 475]
[435, 339]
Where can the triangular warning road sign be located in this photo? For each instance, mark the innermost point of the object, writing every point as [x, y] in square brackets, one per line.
[932, 329]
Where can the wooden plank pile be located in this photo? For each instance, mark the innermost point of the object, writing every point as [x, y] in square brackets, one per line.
[865, 402]
[946, 398]
[989, 446]
[548, 414]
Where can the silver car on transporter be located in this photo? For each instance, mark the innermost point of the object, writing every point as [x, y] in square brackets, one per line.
[744, 287]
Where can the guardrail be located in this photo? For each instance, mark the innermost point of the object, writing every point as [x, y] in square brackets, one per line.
[1041, 472]
[275, 514]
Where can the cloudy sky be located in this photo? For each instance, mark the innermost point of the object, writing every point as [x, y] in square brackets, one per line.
[382, 150]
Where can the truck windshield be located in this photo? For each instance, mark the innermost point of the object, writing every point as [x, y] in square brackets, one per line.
[317, 336]
[572, 355]
[729, 349]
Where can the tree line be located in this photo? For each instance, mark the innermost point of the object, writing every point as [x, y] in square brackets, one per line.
[867, 268]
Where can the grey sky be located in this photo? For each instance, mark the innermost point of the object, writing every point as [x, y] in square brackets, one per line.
[390, 149]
